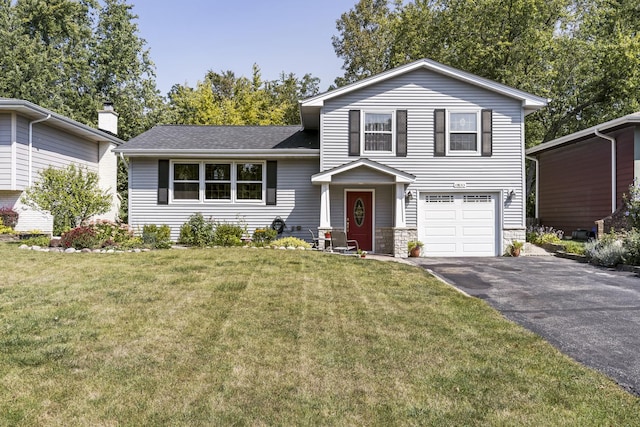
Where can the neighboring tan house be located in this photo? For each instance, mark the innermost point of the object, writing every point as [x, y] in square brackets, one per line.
[33, 138]
[421, 151]
[581, 178]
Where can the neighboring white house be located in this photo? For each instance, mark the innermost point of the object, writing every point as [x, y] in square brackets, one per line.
[421, 151]
[33, 138]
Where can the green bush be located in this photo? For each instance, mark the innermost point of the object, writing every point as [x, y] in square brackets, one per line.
[291, 242]
[197, 231]
[42, 241]
[157, 237]
[229, 234]
[263, 236]
[609, 251]
[573, 247]
[539, 235]
[4, 229]
[631, 242]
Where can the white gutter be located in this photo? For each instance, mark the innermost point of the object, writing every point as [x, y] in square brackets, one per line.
[614, 186]
[31, 146]
[534, 160]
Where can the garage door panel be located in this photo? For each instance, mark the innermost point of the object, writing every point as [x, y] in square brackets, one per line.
[458, 224]
[447, 214]
[477, 231]
[441, 231]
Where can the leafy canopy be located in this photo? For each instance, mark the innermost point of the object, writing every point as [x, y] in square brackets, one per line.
[72, 195]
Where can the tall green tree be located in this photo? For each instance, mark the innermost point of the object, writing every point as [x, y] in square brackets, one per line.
[224, 99]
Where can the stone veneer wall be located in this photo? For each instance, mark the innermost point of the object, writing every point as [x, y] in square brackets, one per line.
[401, 237]
[384, 240]
[509, 235]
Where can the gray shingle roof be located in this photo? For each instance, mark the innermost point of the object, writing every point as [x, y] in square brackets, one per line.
[194, 137]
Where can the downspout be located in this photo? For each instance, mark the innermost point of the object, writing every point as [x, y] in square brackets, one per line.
[31, 146]
[534, 160]
[614, 183]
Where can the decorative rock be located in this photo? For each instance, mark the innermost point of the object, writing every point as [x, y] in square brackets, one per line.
[35, 248]
[86, 250]
[96, 251]
[137, 251]
[291, 248]
[146, 250]
[24, 247]
[110, 251]
[69, 251]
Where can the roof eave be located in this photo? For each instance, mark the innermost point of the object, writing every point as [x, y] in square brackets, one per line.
[585, 133]
[70, 125]
[191, 153]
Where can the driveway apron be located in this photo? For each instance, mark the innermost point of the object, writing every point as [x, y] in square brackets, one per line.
[588, 313]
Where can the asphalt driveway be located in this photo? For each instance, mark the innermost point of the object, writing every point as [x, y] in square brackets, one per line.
[588, 313]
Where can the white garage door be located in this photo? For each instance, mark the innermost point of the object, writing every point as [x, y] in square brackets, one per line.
[457, 224]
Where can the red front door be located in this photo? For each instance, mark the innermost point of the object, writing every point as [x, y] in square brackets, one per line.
[359, 224]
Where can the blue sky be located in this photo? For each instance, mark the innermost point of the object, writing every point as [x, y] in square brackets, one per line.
[189, 37]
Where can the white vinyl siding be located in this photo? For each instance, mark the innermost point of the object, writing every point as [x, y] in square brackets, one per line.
[298, 201]
[5, 151]
[421, 92]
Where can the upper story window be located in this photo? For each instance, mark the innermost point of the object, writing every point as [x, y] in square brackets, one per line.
[378, 132]
[209, 181]
[463, 133]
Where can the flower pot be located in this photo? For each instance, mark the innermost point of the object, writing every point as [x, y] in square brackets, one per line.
[515, 252]
[327, 235]
[415, 251]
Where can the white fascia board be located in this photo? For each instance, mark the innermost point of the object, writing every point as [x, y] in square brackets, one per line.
[529, 101]
[65, 123]
[400, 177]
[221, 154]
[621, 121]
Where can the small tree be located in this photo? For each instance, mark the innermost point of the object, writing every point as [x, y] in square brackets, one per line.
[72, 195]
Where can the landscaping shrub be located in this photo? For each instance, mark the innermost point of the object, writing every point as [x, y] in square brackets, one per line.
[290, 242]
[80, 238]
[573, 247]
[4, 229]
[609, 251]
[633, 205]
[197, 231]
[8, 217]
[157, 237]
[263, 236]
[111, 233]
[42, 241]
[229, 234]
[631, 242]
[539, 235]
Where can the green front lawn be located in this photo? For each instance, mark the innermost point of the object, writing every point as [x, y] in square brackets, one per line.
[263, 337]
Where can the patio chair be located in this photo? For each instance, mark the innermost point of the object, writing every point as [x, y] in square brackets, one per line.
[340, 243]
[314, 240]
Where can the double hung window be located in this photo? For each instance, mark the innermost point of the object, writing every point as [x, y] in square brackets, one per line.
[463, 133]
[378, 132]
[218, 181]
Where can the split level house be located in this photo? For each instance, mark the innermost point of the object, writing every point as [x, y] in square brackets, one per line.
[583, 177]
[33, 138]
[423, 151]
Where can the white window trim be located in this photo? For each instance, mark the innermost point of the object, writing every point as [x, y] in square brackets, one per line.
[363, 115]
[202, 183]
[476, 152]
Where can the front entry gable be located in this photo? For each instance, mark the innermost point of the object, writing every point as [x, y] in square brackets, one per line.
[363, 171]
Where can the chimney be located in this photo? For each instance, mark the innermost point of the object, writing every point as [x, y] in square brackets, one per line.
[108, 119]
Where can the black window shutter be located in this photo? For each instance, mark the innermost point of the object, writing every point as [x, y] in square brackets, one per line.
[163, 182]
[439, 133]
[354, 132]
[487, 130]
[401, 133]
[272, 181]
